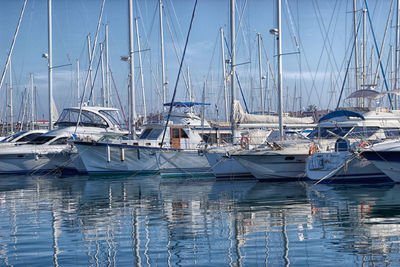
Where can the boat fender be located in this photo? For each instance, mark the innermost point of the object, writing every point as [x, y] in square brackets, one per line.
[245, 142]
[313, 149]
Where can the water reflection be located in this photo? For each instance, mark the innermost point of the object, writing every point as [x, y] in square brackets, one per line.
[149, 221]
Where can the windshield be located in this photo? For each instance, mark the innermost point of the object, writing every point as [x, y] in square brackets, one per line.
[333, 132]
[69, 117]
[41, 140]
[114, 117]
[12, 137]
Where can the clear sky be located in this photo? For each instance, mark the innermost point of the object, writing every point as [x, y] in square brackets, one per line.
[323, 30]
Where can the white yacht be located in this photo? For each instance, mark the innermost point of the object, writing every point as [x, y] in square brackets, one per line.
[385, 156]
[52, 151]
[342, 162]
[287, 159]
[178, 156]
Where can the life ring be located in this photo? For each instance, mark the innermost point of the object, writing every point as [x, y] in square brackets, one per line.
[244, 142]
[313, 149]
[363, 144]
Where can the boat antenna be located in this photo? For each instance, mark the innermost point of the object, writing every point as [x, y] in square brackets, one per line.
[179, 73]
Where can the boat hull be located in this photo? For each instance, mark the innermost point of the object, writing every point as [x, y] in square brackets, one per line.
[183, 163]
[388, 162]
[273, 166]
[115, 159]
[343, 167]
[224, 167]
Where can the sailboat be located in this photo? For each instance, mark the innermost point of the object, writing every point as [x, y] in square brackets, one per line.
[283, 159]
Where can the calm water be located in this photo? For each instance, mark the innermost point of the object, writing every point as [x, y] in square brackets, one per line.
[147, 221]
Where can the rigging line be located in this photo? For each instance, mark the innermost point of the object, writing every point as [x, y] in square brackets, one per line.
[377, 51]
[90, 64]
[240, 19]
[325, 34]
[237, 77]
[212, 56]
[179, 72]
[176, 53]
[348, 67]
[269, 65]
[292, 28]
[119, 99]
[94, 79]
[12, 44]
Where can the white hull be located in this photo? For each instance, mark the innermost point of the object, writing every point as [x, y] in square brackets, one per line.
[32, 159]
[274, 166]
[390, 168]
[183, 163]
[224, 167]
[103, 159]
[342, 167]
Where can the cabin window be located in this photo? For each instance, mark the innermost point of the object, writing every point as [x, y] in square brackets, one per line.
[29, 137]
[209, 138]
[60, 141]
[390, 132]
[12, 137]
[154, 134]
[225, 138]
[184, 134]
[145, 133]
[41, 140]
[363, 132]
[175, 132]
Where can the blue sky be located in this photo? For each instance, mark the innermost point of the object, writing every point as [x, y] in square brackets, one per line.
[323, 29]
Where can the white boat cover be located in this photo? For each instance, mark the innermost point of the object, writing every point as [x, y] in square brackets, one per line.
[242, 117]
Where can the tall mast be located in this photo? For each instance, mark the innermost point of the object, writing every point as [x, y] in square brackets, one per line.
[396, 66]
[163, 83]
[280, 97]
[50, 66]
[90, 68]
[224, 75]
[260, 72]
[141, 71]
[107, 70]
[132, 116]
[355, 45]
[11, 101]
[32, 103]
[77, 82]
[103, 82]
[233, 74]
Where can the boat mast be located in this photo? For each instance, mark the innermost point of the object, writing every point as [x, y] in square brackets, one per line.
[163, 83]
[132, 114]
[32, 103]
[260, 72]
[224, 74]
[233, 82]
[103, 82]
[107, 70]
[90, 68]
[280, 97]
[50, 66]
[396, 66]
[11, 101]
[77, 82]
[355, 45]
[141, 71]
